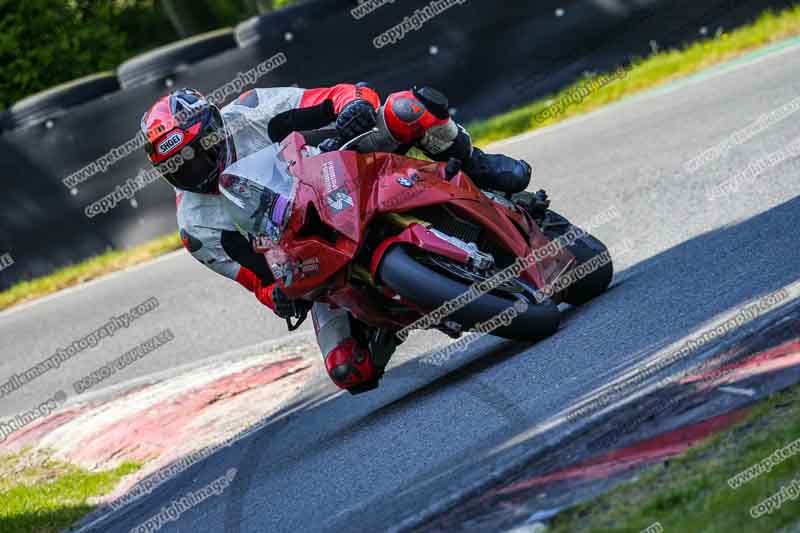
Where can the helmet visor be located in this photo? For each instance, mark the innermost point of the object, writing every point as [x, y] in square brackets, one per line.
[194, 169]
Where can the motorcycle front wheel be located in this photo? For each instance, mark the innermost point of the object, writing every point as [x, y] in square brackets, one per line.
[429, 288]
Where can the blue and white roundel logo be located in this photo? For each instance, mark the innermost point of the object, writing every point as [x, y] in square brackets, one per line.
[170, 143]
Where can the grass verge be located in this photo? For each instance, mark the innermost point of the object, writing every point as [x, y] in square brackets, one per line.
[89, 269]
[691, 493]
[40, 495]
[657, 69]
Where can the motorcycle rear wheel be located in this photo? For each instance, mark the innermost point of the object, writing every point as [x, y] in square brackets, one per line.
[585, 250]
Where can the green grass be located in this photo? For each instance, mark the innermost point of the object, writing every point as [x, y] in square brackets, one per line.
[89, 269]
[40, 495]
[645, 74]
[691, 492]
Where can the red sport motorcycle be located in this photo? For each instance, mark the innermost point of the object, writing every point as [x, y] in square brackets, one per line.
[390, 238]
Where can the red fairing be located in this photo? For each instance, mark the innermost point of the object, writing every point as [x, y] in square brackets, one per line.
[340, 95]
[339, 197]
[420, 237]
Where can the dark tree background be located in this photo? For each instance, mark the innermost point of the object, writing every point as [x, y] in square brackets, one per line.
[47, 42]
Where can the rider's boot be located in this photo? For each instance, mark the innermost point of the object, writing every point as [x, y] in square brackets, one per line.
[497, 172]
[508, 175]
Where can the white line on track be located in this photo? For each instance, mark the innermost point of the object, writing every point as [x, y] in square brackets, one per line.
[739, 391]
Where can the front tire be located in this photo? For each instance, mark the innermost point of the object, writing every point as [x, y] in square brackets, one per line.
[429, 289]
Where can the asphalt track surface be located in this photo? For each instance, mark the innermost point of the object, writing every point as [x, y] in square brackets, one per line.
[378, 461]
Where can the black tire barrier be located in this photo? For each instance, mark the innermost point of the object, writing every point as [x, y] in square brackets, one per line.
[6, 123]
[297, 20]
[54, 102]
[167, 60]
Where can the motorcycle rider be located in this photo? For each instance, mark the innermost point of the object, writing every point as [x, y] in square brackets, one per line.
[178, 122]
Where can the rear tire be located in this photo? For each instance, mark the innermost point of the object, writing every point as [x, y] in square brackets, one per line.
[429, 289]
[594, 284]
[584, 249]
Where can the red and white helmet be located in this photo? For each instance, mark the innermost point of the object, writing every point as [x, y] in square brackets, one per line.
[185, 123]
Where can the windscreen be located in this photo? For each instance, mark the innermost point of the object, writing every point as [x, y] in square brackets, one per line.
[257, 193]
